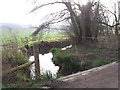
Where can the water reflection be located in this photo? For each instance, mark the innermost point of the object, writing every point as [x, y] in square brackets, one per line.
[46, 64]
[66, 47]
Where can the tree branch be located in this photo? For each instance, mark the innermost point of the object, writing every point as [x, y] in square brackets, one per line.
[108, 24]
[38, 7]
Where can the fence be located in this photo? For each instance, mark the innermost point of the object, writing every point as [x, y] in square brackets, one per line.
[105, 42]
[26, 65]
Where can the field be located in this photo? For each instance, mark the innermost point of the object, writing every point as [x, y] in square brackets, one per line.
[19, 34]
[18, 31]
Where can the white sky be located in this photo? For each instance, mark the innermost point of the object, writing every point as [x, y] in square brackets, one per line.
[16, 11]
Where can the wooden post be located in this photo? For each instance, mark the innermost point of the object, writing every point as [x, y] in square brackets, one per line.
[36, 56]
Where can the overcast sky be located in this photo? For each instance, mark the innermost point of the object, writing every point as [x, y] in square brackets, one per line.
[17, 11]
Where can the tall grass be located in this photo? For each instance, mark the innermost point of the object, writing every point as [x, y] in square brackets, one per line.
[95, 61]
[12, 57]
[66, 62]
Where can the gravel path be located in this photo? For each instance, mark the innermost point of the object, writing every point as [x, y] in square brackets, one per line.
[100, 77]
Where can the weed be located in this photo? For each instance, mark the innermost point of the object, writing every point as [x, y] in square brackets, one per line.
[60, 58]
[89, 55]
[55, 50]
[118, 61]
[97, 61]
[66, 63]
[100, 61]
[19, 59]
[87, 65]
[47, 76]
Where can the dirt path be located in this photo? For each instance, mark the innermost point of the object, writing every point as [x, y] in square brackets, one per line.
[100, 77]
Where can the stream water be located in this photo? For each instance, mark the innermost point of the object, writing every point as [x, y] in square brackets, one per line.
[46, 64]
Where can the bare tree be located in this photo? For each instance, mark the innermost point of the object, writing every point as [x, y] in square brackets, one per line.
[85, 20]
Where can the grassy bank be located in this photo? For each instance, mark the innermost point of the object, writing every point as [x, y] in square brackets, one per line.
[86, 57]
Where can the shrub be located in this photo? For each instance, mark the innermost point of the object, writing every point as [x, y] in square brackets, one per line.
[66, 63]
[47, 76]
[61, 58]
[87, 65]
[19, 59]
[99, 62]
[89, 55]
[10, 59]
[55, 50]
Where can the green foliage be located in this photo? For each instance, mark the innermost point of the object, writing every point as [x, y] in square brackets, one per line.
[44, 78]
[60, 58]
[19, 59]
[47, 76]
[100, 61]
[66, 63]
[87, 65]
[54, 50]
[89, 56]
[22, 75]
[12, 58]
[97, 61]
[58, 75]
[118, 61]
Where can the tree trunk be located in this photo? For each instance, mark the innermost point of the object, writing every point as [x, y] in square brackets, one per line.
[75, 22]
[116, 29]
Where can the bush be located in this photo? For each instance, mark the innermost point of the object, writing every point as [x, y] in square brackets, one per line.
[66, 63]
[87, 65]
[99, 62]
[19, 59]
[10, 59]
[55, 50]
[89, 56]
[47, 76]
[61, 58]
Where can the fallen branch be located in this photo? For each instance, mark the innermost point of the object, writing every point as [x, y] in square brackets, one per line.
[18, 68]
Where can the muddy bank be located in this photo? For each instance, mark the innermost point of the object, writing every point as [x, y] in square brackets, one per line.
[44, 47]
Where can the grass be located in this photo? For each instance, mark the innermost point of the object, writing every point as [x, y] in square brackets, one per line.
[0, 85]
[89, 54]
[43, 79]
[95, 62]
[100, 61]
[18, 37]
[92, 56]
[21, 33]
[65, 61]
[55, 50]
[30, 84]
